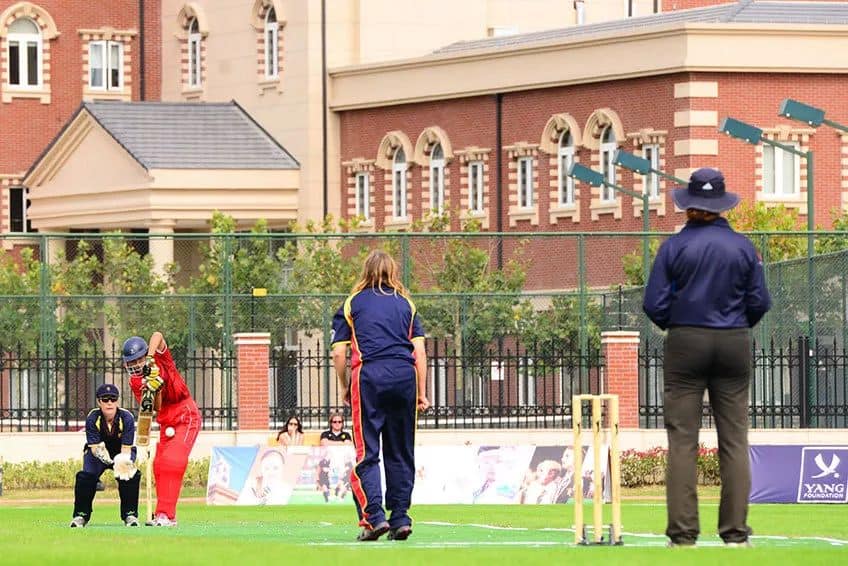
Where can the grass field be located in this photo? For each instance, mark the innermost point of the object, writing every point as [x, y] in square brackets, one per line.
[35, 532]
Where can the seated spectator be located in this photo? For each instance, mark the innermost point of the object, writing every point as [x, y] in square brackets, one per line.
[292, 435]
[335, 435]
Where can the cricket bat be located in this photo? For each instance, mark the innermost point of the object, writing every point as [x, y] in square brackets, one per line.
[145, 418]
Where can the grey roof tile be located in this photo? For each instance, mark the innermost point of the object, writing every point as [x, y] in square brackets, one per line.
[191, 135]
[743, 11]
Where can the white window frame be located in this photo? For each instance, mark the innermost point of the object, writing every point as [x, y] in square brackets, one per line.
[778, 184]
[526, 383]
[272, 46]
[195, 52]
[580, 8]
[23, 40]
[108, 65]
[475, 186]
[363, 196]
[651, 181]
[437, 182]
[399, 195]
[526, 198]
[607, 165]
[565, 159]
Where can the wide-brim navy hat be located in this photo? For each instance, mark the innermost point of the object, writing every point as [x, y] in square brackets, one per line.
[705, 192]
[108, 390]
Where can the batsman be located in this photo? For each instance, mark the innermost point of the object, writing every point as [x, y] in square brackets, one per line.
[153, 373]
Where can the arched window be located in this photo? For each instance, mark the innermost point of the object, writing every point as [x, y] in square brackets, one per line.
[399, 183]
[272, 45]
[608, 147]
[565, 154]
[437, 179]
[24, 54]
[194, 54]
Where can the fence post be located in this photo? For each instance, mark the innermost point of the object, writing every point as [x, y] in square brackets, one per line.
[252, 359]
[621, 352]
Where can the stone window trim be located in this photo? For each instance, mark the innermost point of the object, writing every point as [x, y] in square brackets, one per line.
[844, 168]
[388, 145]
[48, 31]
[553, 130]
[353, 168]
[783, 134]
[515, 153]
[428, 139]
[467, 156]
[258, 17]
[125, 38]
[649, 136]
[190, 12]
[597, 123]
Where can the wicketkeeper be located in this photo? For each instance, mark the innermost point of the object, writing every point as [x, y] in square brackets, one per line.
[151, 367]
[109, 434]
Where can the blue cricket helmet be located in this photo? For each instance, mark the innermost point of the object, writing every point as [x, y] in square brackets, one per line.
[134, 348]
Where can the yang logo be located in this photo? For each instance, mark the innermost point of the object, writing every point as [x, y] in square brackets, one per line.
[823, 479]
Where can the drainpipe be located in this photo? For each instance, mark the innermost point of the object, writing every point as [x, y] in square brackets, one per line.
[498, 174]
[141, 70]
[326, 183]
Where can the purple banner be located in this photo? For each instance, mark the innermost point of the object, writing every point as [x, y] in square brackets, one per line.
[799, 474]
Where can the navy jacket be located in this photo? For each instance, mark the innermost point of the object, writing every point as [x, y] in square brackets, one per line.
[707, 275]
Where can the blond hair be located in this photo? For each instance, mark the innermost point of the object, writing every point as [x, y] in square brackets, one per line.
[380, 270]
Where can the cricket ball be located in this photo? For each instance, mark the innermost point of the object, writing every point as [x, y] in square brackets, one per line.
[169, 432]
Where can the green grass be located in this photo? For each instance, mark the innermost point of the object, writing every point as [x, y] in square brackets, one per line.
[38, 533]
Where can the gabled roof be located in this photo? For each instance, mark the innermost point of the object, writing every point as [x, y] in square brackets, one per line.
[743, 11]
[190, 135]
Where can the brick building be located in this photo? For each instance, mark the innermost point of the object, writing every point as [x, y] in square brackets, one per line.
[486, 128]
[55, 54]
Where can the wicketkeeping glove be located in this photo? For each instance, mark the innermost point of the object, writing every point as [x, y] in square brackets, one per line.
[99, 451]
[124, 467]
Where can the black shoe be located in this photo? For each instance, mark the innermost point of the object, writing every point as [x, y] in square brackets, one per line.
[373, 534]
[400, 533]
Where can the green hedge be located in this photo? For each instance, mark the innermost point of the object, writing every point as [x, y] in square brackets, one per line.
[648, 467]
[57, 475]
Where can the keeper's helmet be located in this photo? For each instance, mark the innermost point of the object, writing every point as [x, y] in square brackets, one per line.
[134, 348]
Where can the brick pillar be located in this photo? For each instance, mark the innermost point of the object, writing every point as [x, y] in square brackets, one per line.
[621, 351]
[252, 357]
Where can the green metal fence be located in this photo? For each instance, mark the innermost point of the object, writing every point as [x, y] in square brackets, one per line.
[475, 289]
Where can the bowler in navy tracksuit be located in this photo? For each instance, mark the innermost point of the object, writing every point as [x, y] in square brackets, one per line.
[379, 323]
[707, 287]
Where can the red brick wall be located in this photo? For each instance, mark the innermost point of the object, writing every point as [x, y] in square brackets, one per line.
[252, 354]
[27, 125]
[640, 103]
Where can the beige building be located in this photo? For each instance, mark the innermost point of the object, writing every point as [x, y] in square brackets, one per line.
[267, 55]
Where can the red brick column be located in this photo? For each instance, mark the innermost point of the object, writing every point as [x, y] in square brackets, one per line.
[621, 351]
[252, 358]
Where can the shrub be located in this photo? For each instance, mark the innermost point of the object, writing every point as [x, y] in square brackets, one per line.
[61, 474]
[648, 467]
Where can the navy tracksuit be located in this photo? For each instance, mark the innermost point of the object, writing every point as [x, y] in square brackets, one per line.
[380, 326]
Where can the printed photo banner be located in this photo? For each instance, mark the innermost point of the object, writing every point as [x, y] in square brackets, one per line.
[257, 475]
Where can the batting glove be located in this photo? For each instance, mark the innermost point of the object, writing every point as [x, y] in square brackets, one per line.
[141, 455]
[99, 451]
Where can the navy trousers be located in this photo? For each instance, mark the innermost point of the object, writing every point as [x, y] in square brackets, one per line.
[383, 402]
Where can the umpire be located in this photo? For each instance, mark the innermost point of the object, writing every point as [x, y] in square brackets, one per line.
[109, 436]
[708, 289]
[387, 383]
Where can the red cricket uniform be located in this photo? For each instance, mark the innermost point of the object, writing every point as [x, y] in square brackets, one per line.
[178, 410]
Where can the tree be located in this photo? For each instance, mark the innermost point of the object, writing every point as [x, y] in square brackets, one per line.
[19, 307]
[757, 217]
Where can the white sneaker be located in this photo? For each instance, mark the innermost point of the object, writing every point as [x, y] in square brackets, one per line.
[131, 521]
[78, 521]
[162, 520]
